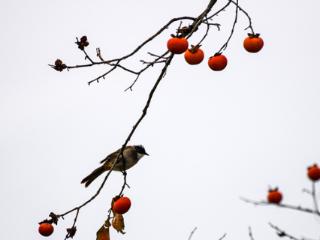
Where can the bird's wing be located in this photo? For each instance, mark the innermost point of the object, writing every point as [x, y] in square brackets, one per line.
[111, 156]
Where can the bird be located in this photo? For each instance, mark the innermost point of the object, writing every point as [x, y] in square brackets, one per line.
[130, 156]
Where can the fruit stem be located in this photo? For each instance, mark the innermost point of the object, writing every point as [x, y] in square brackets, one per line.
[314, 197]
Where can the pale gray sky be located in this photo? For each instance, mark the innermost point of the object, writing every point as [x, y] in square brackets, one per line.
[212, 136]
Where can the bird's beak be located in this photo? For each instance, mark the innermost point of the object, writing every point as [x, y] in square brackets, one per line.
[146, 154]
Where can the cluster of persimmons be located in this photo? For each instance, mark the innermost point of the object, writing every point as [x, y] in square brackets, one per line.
[120, 205]
[275, 196]
[194, 55]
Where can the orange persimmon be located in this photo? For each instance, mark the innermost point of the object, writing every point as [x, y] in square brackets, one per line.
[314, 172]
[274, 196]
[253, 43]
[194, 55]
[121, 205]
[177, 45]
[45, 229]
[217, 62]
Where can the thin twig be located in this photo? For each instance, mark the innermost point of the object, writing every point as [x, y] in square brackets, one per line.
[219, 11]
[205, 35]
[71, 231]
[157, 56]
[225, 45]
[247, 15]
[124, 183]
[196, 23]
[223, 236]
[192, 232]
[281, 205]
[282, 233]
[102, 76]
[163, 56]
[87, 56]
[314, 198]
[250, 234]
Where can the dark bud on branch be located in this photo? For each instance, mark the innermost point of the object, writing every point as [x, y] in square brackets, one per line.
[59, 65]
[281, 234]
[54, 218]
[71, 232]
[82, 43]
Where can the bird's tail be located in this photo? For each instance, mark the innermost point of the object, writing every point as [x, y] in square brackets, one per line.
[92, 176]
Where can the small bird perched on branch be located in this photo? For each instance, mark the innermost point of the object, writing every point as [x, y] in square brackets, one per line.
[130, 156]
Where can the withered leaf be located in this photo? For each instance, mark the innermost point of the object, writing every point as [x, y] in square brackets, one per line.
[103, 233]
[118, 223]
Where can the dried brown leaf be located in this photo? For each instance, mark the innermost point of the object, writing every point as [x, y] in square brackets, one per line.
[103, 233]
[118, 223]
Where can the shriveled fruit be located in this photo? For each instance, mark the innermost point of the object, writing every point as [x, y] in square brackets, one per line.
[121, 205]
[274, 196]
[177, 45]
[217, 62]
[314, 172]
[253, 43]
[45, 229]
[194, 55]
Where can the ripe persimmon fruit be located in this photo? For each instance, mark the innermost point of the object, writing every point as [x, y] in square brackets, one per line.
[121, 205]
[314, 172]
[194, 55]
[217, 62]
[253, 43]
[177, 45]
[274, 196]
[45, 229]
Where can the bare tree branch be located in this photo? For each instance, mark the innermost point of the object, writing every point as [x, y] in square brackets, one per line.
[282, 233]
[223, 236]
[314, 198]
[281, 205]
[225, 45]
[192, 232]
[250, 234]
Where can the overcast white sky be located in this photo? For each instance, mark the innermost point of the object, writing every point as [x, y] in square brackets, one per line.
[212, 137]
